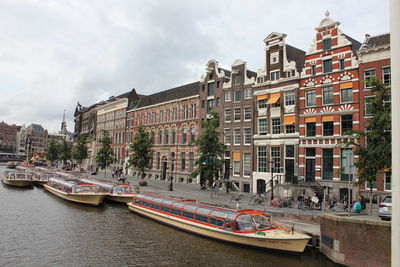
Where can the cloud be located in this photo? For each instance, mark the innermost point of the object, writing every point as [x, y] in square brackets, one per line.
[55, 53]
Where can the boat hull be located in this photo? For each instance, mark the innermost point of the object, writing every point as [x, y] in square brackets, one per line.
[18, 183]
[87, 198]
[274, 243]
[39, 182]
[120, 198]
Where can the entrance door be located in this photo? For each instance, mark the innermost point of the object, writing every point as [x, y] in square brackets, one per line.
[310, 170]
[344, 192]
[260, 186]
[289, 170]
[164, 170]
[227, 169]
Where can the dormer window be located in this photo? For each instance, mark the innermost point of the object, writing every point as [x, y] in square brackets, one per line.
[327, 44]
[274, 58]
[274, 75]
[238, 80]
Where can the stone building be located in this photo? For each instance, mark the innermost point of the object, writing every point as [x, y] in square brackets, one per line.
[36, 140]
[171, 118]
[276, 132]
[8, 137]
[374, 61]
[329, 107]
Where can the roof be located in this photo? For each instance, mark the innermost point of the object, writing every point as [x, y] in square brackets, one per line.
[35, 127]
[186, 90]
[250, 73]
[296, 55]
[355, 45]
[378, 40]
[227, 72]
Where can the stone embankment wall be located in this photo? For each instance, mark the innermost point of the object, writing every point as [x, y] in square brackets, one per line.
[355, 241]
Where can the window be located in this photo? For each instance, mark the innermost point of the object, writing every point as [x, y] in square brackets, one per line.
[341, 64]
[191, 161]
[327, 163]
[238, 96]
[192, 134]
[347, 123]
[310, 95]
[211, 89]
[238, 80]
[346, 95]
[289, 98]
[328, 95]
[386, 75]
[262, 159]
[228, 96]
[290, 151]
[368, 106]
[276, 126]
[247, 93]
[327, 44]
[276, 158]
[310, 152]
[388, 181]
[262, 103]
[236, 167]
[313, 70]
[247, 114]
[183, 157]
[328, 128]
[368, 74]
[246, 164]
[237, 114]
[160, 136]
[274, 58]
[173, 136]
[228, 115]
[274, 75]
[158, 160]
[310, 128]
[247, 136]
[184, 135]
[193, 110]
[227, 135]
[327, 65]
[291, 128]
[210, 104]
[345, 152]
[236, 136]
[166, 136]
[262, 126]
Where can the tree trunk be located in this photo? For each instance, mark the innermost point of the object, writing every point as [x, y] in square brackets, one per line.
[370, 199]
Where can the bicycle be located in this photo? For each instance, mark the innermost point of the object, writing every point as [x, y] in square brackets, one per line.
[341, 206]
[258, 199]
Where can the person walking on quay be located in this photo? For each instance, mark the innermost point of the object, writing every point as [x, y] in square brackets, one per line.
[113, 172]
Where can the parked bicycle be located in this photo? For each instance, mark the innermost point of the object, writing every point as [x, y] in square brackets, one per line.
[258, 199]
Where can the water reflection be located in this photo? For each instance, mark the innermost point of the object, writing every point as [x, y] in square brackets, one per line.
[39, 229]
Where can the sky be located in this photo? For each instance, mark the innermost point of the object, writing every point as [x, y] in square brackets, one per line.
[54, 53]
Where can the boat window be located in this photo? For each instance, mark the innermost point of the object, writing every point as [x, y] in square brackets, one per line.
[218, 213]
[176, 212]
[187, 214]
[216, 222]
[201, 218]
[146, 204]
[262, 221]
[203, 210]
[165, 209]
[178, 205]
[148, 198]
[157, 200]
[167, 202]
[244, 223]
[228, 224]
[118, 189]
[190, 208]
[156, 206]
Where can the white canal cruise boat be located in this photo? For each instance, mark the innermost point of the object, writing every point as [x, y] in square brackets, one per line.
[116, 192]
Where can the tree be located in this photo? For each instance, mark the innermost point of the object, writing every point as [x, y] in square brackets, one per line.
[80, 151]
[373, 146]
[65, 151]
[211, 151]
[104, 157]
[141, 148]
[53, 151]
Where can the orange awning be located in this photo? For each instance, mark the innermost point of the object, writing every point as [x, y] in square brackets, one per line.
[346, 85]
[261, 97]
[328, 118]
[236, 156]
[274, 98]
[288, 120]
[311, 119]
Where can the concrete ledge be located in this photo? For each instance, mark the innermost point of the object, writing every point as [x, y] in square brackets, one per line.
[342, 217]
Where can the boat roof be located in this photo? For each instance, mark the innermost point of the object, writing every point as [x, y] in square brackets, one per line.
[105, 184]
[68, 183]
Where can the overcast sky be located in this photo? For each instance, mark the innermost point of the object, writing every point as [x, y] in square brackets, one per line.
[55, 53]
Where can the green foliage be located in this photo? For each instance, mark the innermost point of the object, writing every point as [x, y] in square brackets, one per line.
[141, 148]
[104, 157]
[373, 147]
[80, 151]
[53, 151]
[211, 151]
[65, 151]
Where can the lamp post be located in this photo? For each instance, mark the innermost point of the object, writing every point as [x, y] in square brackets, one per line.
[272, 162]
[172, 172]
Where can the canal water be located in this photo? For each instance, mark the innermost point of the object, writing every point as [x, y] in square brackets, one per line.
[39, 229]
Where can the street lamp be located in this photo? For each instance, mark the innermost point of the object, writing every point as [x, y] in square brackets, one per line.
[272, 162]
[172, 172]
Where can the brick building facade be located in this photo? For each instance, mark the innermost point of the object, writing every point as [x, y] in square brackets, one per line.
[8, 137]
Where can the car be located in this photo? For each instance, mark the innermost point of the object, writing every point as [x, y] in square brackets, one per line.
[385, 209]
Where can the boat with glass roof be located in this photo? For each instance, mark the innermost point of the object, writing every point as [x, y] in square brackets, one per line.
[75, 191]
[41, 177]
[17, 178]
[115, 191]
[12, 164]
[244, 227]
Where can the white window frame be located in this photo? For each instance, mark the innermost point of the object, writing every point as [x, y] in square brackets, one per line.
[234, 96]
[226, 113]
[289, 98]
[228, 96]
[247, 136]
[274, 57]
[227, 133]
[237, 136]
[274, 126]
[238, 80]
[265, 126]
[384, 182]
[366, 103]
[247, 93]
[367, 77]
[236, 168]
[274, 75]
[341, 99]
[390, 74]
[248, 109]
[246, 164]
[237, 112]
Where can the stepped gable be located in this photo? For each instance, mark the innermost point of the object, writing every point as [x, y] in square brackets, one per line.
[183, 91]
[296, 55]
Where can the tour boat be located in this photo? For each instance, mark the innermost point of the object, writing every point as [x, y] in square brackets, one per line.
[42, 177]
[116, 192]
[244, 227]
[75, 191]
[12, 164]
[17, 178]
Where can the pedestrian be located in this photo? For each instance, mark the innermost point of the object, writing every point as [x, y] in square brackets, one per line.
[122, 178]
[113, 173]
[362, 202]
